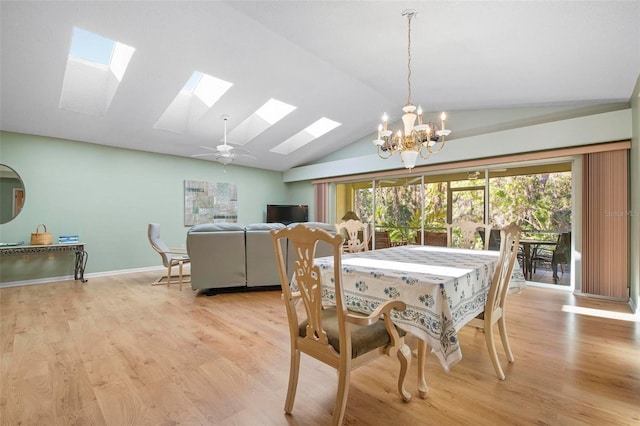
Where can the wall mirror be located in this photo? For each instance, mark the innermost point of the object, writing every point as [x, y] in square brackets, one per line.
[12, 194]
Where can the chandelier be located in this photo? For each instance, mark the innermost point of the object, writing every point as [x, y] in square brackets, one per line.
[422, 139]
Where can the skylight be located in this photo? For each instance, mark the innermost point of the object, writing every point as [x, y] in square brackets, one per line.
[300, 139]
[266, 116]
[95, 67]
[91, 47]
[274, 111]
[208, 89]
[199, 93]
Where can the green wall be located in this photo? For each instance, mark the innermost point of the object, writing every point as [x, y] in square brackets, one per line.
[108, 195]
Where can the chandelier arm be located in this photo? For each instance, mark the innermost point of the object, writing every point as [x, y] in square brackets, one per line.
[425, 156]
[382, 156]
[435, 151]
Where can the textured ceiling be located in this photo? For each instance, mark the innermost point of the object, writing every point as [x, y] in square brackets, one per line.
[346, 61]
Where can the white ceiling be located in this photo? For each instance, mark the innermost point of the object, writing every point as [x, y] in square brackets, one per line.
[346, 61]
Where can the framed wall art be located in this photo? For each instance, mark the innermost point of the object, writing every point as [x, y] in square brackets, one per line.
[208, 202]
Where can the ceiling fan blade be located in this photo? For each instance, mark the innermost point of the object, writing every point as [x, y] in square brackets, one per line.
[239, 150]
[203, 155]
[208, 147]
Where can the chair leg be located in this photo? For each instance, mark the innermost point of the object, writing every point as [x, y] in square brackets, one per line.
[169, 275]
[180, 273]
[502, 326]
[294, 369]
[344, 374]
[404, 356]
[493, 354]
[423, 389]
[160, 281]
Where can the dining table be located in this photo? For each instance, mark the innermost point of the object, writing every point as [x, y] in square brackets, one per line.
[443, 289]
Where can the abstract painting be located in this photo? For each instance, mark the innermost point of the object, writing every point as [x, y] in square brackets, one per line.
[208, 202]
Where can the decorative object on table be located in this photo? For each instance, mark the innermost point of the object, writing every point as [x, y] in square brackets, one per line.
[41, 238]
[423, 139]
[494, 308]
[170, 258]
[210, 202]
[334, 335]
[226, 153]
[68, 239]
[19, 243]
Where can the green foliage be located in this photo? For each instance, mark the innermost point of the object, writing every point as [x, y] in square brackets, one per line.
[536, 202]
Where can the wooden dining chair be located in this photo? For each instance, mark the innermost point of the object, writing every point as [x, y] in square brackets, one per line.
[334, 335]
[356, 235]
[468, 230]
[495, 305]
[170, 258]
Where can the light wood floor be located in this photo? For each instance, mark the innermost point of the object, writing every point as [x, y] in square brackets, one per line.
[117, 351]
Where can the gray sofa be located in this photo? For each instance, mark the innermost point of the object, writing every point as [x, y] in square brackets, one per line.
[231, 255]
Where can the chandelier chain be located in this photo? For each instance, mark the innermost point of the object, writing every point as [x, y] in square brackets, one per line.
[409, 60]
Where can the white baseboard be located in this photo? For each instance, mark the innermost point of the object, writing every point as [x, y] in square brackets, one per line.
[86, 276]
[597, 296]
[550, 286]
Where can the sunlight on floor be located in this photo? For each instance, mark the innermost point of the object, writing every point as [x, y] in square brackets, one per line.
[601, 313]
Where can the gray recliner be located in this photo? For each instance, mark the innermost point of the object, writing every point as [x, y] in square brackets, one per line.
[261, 259]
[220, 261]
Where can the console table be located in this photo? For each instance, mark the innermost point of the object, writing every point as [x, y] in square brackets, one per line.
[77, 248]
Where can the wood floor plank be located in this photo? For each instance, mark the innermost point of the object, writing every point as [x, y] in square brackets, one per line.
[117, 351]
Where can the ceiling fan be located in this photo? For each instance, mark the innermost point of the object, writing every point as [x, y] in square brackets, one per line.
[226, 153]
[406, 182]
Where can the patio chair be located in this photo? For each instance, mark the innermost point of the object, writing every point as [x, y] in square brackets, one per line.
[561, 254]
[432, 238]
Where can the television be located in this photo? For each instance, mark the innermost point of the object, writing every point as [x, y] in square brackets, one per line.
[287, 213]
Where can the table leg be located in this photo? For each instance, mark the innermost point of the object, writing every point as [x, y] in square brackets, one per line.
[80, 264]
[423, 389]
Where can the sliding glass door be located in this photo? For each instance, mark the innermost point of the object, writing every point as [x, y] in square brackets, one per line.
[403, 210]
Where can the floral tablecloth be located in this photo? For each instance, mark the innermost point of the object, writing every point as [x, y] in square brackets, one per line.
[444, 288]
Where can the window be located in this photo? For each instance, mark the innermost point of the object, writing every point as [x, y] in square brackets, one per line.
[537, 197]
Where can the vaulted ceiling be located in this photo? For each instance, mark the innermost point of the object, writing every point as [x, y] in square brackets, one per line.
[346, 61]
